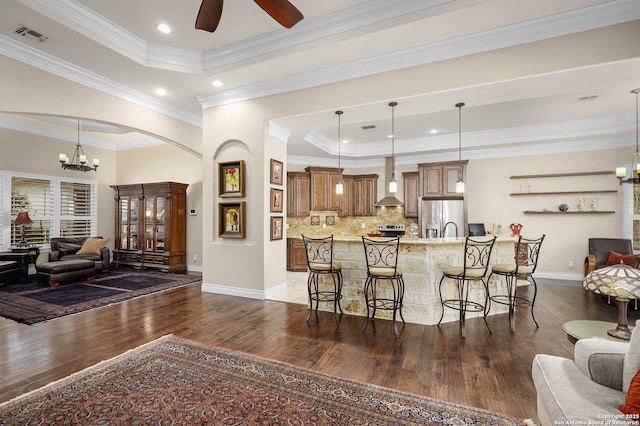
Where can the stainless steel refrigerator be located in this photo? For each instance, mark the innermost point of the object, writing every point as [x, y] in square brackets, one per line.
[440, 218]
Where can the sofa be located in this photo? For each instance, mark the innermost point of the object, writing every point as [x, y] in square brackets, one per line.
[13, 267]
[591, 387]
[85, 248]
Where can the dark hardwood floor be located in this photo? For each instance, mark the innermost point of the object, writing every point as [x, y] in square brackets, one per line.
[491, 371]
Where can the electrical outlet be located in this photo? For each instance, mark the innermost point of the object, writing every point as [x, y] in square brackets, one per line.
[571, 264]
[363, 225]
[194, 259]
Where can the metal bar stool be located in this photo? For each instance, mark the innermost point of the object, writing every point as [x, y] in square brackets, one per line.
[477, 252]
[525, 263]
[320, 263]
[382, 264]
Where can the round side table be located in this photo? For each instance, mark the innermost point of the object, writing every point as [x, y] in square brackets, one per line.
[621, 282]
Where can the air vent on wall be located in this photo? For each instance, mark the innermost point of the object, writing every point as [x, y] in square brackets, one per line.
[28, 32]
[369, 127]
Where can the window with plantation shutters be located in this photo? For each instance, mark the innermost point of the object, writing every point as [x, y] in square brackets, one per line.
[34, 196]
[57, 207]
[77, 209]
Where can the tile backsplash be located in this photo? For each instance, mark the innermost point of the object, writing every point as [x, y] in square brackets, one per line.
[329, 222]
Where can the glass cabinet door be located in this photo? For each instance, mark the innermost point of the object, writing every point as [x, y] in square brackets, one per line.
[133, 225]
[160, 224]
[154, 224]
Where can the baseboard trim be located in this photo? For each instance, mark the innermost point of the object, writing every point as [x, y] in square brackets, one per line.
[233, 291]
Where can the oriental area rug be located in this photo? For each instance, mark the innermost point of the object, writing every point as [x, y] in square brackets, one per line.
[29, 302]
[175, 381]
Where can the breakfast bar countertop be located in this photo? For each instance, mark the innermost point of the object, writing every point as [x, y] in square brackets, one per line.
[422, 261]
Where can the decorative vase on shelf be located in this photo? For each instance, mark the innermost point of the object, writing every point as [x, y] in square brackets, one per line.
[594, 204]
[581, 202]
[563, 207]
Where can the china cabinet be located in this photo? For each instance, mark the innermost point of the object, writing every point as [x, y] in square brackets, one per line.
[151, 226]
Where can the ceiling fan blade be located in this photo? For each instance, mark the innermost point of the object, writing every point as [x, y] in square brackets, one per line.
[282, 11]
[209, 15]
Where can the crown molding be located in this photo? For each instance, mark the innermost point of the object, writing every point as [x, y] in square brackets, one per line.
[577, 129]
[53, 133]
[41, 60]
[308, 30]
[278, 131]
[598, 16]
[479, 154]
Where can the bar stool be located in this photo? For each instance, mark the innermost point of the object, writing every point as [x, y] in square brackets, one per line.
[320, 263]
[525, 263]
[477, 252]
[382, 264]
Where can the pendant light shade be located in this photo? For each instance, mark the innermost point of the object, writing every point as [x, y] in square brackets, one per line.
[339, 186]
[393, 184]
[460, 182]
[621, 172]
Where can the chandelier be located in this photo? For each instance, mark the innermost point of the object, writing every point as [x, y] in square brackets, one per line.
[78, 160]
[621, 172]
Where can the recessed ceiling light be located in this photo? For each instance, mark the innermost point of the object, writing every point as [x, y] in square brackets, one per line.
[161, 92]
[217, 83]
[433, 131]
[389, 136]
[345, 140]
[163, 28]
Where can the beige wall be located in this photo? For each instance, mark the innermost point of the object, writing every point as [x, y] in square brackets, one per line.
[27, 153]
[28, 90]
[245, 121]
[169, 163]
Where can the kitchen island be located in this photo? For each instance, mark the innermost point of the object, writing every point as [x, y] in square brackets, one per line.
[422, 261]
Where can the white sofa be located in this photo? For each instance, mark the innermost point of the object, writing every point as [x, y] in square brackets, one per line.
[589, 388]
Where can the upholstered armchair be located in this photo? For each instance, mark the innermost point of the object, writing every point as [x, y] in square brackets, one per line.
[601, 248]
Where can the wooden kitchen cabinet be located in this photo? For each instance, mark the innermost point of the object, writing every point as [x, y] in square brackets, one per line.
[347, 198]
[410, 193]
[365, 190]
[323, 189]
[298, 190]
[296, 255]
[439, 179]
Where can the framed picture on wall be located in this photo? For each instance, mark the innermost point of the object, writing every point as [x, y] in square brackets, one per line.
[231, 220]
[276, 172]
[276, 200]
[276, 227]
[231, 179]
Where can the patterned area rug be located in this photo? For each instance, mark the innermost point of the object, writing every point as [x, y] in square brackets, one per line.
[174, 381]
[30, 302]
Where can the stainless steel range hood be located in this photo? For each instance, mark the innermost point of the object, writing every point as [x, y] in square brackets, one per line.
[389, 199]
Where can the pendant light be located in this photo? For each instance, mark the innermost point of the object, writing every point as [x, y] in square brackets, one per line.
[393, 184]
[621, 172]
[460, 182]
[339, 186]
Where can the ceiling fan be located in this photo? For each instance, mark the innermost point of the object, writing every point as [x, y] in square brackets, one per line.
[281, 10]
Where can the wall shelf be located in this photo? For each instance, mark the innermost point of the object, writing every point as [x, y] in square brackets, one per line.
[554, 175]
[604, 191]
[568, 212]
